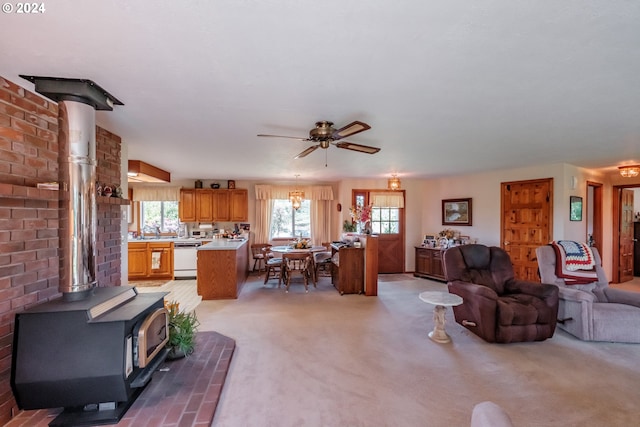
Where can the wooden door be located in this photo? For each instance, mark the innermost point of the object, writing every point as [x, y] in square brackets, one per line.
[626, 235]
[388, 225]
[526, 223]
[137, 261]
[221, 202]
[204, 205]
[239, 205]
[165, 267]
[187, 206]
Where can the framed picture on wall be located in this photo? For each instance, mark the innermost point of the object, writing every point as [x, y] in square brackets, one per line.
[456, 211]
[575, 208]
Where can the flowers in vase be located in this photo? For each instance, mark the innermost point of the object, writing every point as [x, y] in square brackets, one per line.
[360, 213]
[301, 244]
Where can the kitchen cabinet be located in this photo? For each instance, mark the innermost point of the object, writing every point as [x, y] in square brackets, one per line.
[187, 206]
[239, 205]
[150, 260]
[347, 272]
[222, 205]
[137, 261]
[160, 260]
[204, 206]
[429, 263]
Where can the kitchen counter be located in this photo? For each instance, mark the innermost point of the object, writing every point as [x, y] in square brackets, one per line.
[223, 245]
[222, 268]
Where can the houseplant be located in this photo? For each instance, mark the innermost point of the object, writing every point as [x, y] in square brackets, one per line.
[182, 331]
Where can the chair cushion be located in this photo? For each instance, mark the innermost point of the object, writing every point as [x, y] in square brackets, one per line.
[522, 309]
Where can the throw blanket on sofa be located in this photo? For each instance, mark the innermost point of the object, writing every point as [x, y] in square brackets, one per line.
[574, 262]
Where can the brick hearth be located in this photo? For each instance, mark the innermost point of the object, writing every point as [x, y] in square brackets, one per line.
[183, 393]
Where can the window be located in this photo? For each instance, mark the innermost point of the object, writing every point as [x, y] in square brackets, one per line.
[383, 220]
[288, 222]
[159, 214]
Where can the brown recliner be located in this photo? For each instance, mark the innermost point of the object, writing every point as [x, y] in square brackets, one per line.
[497, 307]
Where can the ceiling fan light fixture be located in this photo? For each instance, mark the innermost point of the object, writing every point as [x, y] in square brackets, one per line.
[630, 171]
[394, 182]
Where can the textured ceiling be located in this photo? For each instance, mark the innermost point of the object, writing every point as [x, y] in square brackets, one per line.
[447, 86]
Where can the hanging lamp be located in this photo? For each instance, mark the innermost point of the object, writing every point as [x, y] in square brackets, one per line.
[296, 196]
[394, 182]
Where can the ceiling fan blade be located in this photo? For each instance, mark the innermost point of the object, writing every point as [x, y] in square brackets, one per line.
[282, 136]
[351, 129]
[357, 147]
[307, 151]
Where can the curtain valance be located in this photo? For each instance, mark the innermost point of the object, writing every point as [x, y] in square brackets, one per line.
[311, 192]
[156, 194]
[387, 200]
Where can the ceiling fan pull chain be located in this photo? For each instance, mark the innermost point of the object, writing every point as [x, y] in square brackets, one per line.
[325, 158]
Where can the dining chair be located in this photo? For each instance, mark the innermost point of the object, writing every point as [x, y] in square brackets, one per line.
[258, 256]
[322, 261]
[274, 266]
[297, 264]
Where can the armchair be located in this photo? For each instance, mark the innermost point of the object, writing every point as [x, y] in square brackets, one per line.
[593, 311]
[497, 307]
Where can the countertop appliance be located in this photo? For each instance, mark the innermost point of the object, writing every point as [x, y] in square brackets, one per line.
[185, 259]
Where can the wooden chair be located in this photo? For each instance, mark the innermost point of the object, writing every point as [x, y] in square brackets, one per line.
[258, 256]
[322, 261]
[297, 264]
[274, 266]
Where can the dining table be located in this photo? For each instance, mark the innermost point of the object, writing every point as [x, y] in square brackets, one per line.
[287, 249]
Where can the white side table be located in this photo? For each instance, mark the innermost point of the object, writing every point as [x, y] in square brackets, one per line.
[441, 300]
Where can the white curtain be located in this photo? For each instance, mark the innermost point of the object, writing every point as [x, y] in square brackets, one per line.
[391, 199]
[156, 194]
[320, 196]
[264, 207]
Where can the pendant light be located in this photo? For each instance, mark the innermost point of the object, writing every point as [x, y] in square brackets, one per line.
[296, 196]
[394, 182]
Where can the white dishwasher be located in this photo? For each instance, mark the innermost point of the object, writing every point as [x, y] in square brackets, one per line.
[185, 259]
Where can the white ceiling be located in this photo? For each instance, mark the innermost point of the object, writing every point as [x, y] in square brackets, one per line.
[447, 86]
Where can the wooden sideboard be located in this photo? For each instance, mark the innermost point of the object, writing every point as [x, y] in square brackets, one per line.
[355, 270]
[429, 263]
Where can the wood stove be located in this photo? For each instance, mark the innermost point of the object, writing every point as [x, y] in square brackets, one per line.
[93, 350]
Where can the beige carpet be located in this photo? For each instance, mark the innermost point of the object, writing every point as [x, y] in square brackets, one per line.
[321, 359]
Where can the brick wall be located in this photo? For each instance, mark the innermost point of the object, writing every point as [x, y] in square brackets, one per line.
[108, 237]
[29, 217]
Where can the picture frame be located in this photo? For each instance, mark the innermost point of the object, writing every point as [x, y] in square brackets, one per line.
[456, 212]
[575, 208]
[231, 184]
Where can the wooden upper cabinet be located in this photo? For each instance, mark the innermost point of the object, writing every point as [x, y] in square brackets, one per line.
[213, 205]
[187, 207]
[239, 205]
[221, 205]
[204, 206]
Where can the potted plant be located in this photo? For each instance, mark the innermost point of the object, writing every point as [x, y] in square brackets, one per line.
[348, 226]
[182, 331]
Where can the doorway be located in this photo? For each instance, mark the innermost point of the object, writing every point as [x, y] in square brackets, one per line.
[526, 223]
[594, 215]
[625, 243]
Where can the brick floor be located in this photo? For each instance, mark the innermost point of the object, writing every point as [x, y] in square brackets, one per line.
[181, 393]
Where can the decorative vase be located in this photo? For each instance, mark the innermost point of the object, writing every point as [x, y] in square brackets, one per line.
[359, 227]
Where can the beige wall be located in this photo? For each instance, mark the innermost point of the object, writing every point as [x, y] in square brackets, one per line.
[424, 196]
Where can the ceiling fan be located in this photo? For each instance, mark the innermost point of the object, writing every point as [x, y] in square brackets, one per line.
[324, 134]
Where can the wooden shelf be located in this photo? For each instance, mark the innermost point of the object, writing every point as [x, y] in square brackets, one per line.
[23, 192]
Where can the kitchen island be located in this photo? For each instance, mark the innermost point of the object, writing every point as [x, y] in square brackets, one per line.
[222, 268]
